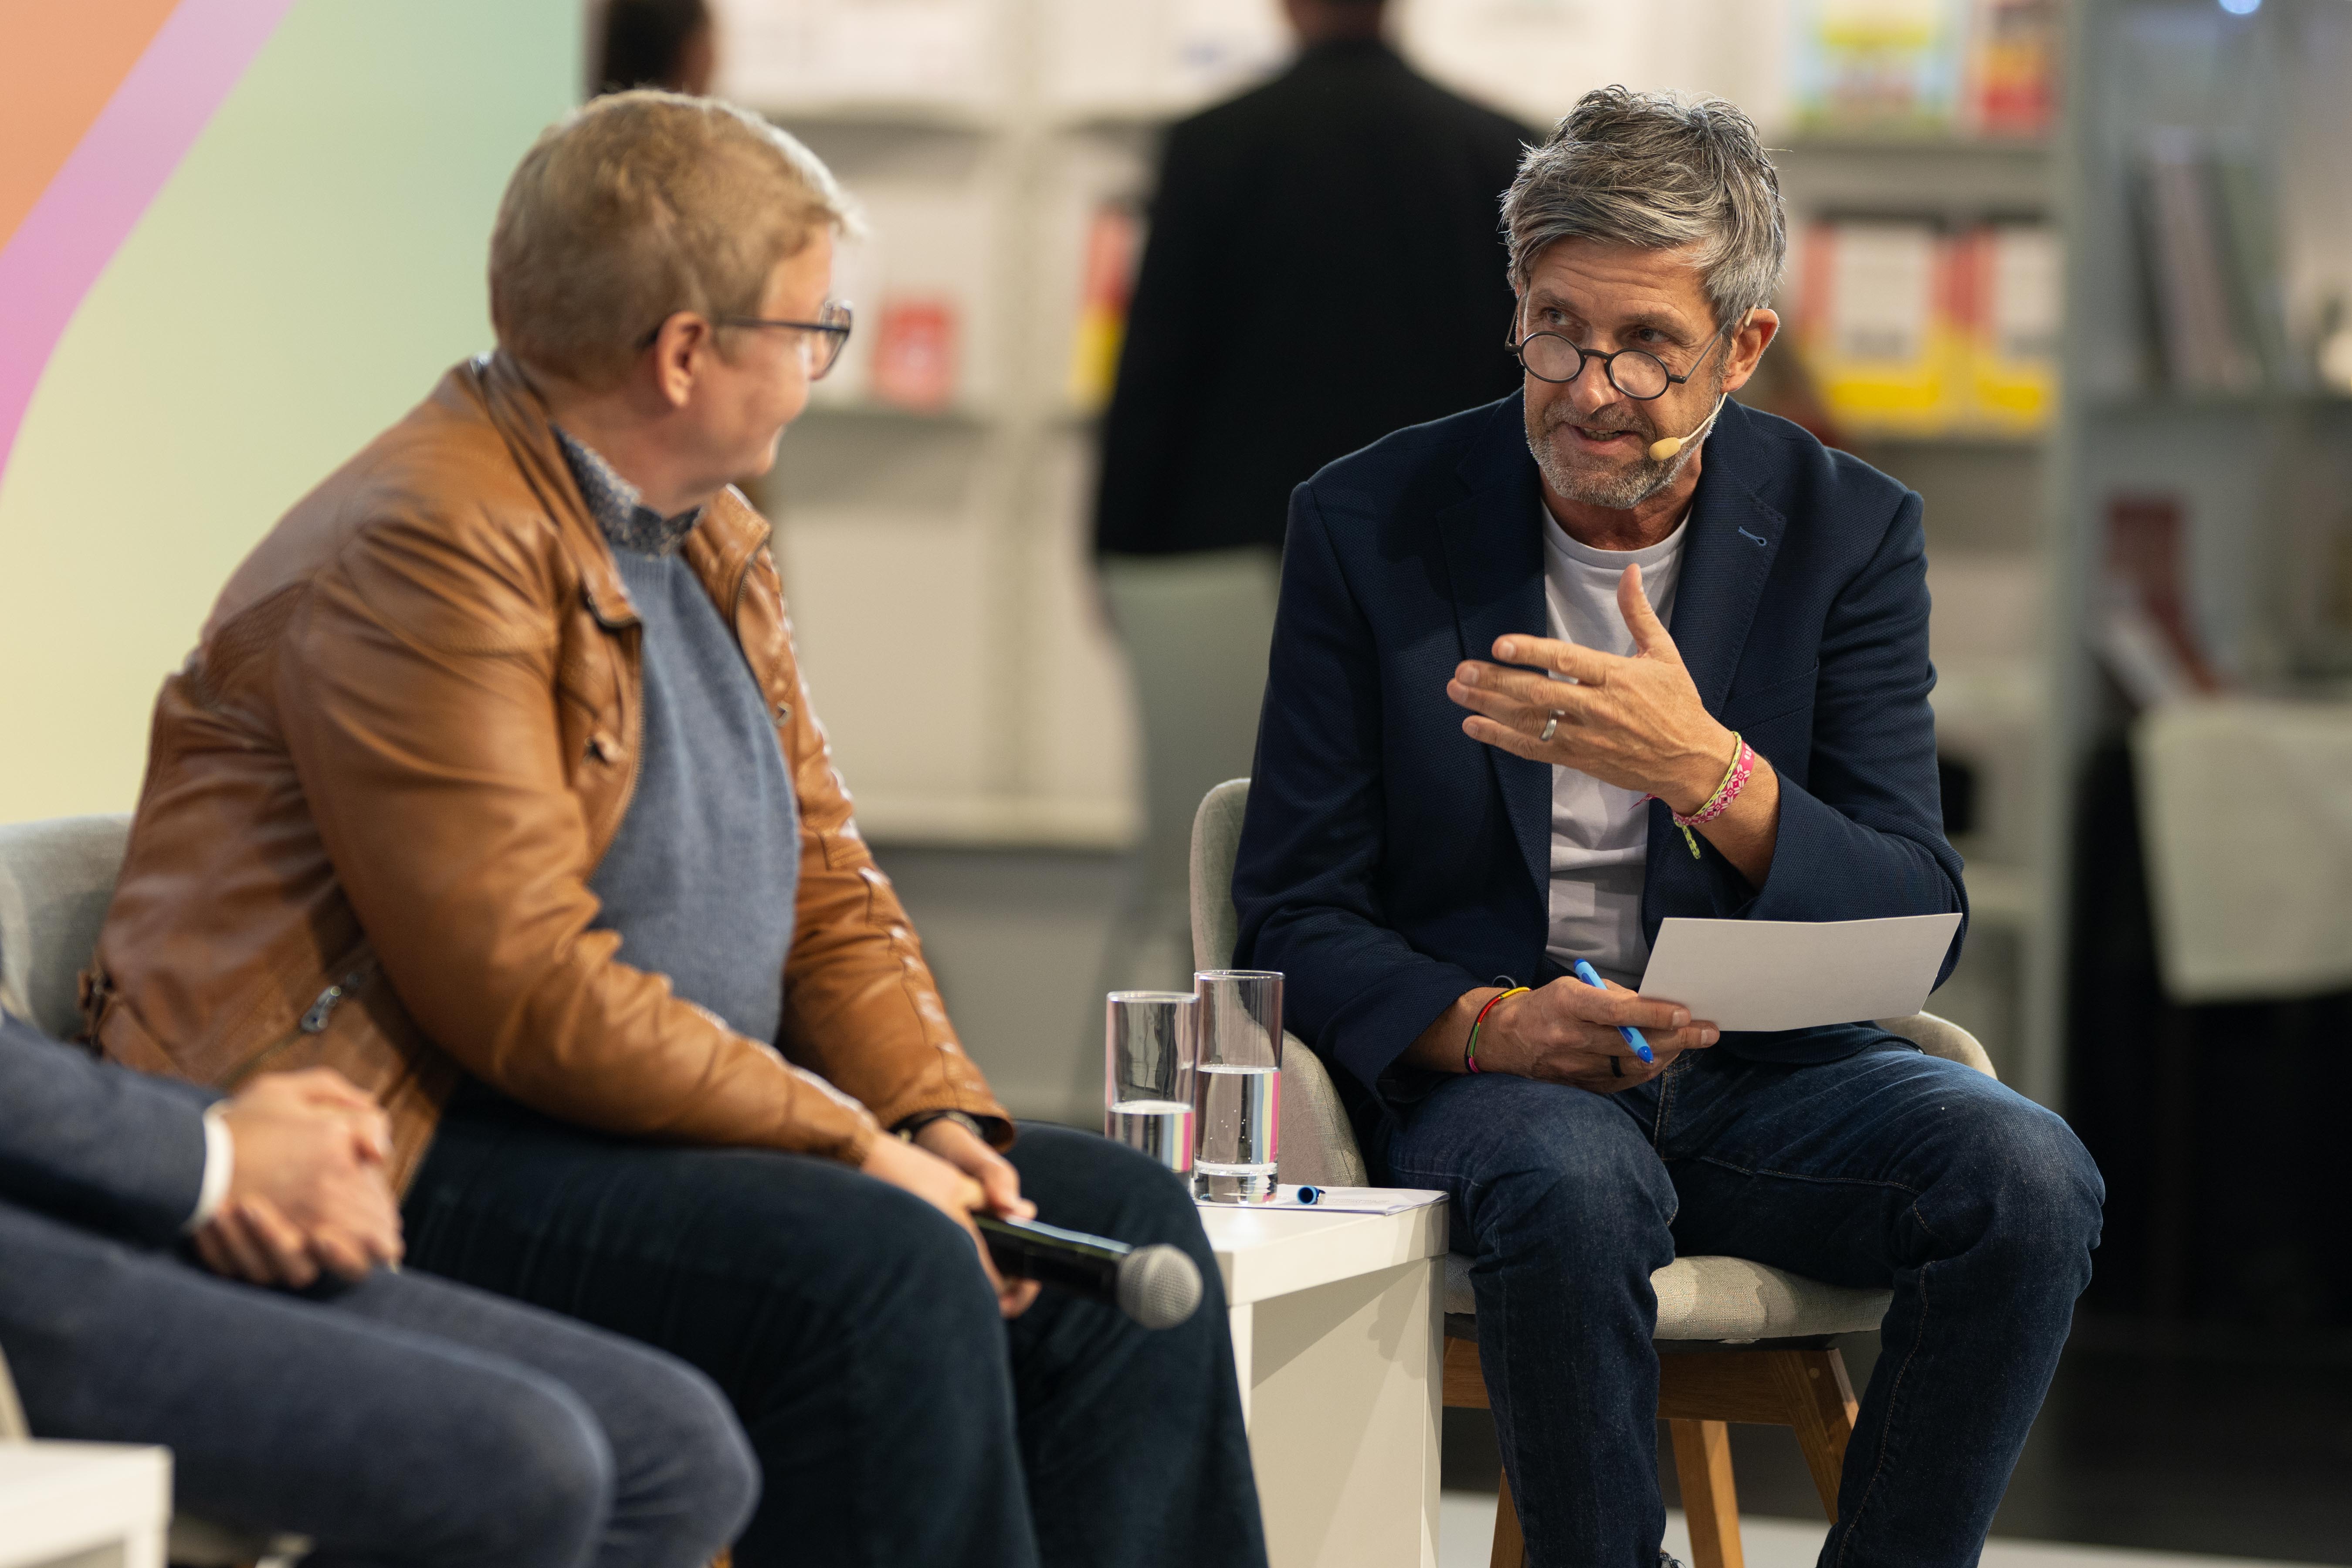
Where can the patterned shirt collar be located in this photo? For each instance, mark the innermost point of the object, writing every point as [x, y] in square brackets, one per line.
[621, 514]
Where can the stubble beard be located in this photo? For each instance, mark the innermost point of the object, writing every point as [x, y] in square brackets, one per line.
[1620, 490]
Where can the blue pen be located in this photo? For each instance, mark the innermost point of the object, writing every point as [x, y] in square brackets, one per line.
[1632, 1037]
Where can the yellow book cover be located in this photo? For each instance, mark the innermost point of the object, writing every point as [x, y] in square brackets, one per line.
[1876, 328]
[2007, 275]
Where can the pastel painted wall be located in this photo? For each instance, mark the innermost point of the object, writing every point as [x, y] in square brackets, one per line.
[308, 269]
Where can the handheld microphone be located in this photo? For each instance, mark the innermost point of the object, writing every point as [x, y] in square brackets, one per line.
[1157, 1286]
[1663, 449]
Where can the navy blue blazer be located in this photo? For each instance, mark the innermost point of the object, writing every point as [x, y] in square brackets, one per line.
[1388, 863]
[95, 1144]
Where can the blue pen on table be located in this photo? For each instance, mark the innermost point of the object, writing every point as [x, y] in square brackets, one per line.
[1632, 1037]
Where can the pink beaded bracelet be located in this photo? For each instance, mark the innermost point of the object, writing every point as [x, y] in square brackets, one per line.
[1735, 779]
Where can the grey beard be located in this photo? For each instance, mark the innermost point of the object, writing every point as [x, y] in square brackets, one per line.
[1620, 491]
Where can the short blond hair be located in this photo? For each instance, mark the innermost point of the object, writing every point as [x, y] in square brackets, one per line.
[641, 205]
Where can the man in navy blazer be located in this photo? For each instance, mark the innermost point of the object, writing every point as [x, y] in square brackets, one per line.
[1549, 671]
[301, 1385]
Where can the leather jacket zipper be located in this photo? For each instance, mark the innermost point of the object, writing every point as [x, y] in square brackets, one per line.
[314, 1021]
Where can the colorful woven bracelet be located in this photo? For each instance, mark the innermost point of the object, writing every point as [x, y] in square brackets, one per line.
[1470, 1047]
[1735, 779]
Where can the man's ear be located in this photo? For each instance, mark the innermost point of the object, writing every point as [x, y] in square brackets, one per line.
[678, 353]
[1747, 345]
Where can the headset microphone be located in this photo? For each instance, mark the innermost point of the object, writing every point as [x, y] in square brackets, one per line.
[1662, 449]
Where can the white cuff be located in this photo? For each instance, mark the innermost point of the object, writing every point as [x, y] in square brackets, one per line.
[220, 1163]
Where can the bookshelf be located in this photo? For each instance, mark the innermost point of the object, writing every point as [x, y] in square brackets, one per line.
[937, 556]
[2259, 473]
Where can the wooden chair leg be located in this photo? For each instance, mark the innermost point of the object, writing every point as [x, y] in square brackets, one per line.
[1510, 1546]
[1702, 1465]
[1821, 1409]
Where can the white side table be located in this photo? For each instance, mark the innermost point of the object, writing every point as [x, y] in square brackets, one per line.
[1338, 1339]
[83, 1505]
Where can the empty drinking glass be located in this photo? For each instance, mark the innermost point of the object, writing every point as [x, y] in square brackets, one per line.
[1149, 1039]
[1238, 1086]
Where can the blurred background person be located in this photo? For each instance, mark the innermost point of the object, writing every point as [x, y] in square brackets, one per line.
[671, 44]
[1237, 312]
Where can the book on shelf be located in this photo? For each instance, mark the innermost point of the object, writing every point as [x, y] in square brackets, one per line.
[1878, 66]
[915, 353]
[1968, 68]
[1909, 330]
[2010, 87]
[1106, 284]
[2006, 294]
[2209, 254]
[2145, 628]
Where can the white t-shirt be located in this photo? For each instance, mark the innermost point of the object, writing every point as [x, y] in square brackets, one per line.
[1598, 832]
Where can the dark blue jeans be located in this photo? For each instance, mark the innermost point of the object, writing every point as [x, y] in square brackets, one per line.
[898, 1419]
[1889, 1168]
[403, 1421]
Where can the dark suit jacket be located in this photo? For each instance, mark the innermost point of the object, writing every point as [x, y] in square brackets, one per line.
[98, 1146]
[1388, 863]
[1324, 267]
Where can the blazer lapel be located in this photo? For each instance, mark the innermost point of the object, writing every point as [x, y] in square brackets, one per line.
[1494, 555]
[1733, 539]
[1727, 555]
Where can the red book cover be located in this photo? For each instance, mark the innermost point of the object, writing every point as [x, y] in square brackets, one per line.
[915, 354]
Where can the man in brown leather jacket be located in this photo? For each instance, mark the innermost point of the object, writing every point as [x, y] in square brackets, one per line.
[493, 783]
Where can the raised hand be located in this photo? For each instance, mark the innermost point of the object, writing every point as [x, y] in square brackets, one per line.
[1636, 722]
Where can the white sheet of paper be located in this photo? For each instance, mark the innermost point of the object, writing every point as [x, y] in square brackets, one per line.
[1344, 1200]
[1795, 974]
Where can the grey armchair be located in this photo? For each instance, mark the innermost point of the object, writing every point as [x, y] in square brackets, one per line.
[1738, 1341]
[56, 879]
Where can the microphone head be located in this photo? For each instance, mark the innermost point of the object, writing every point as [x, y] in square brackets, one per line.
[1158, 1287]
[1661, 450]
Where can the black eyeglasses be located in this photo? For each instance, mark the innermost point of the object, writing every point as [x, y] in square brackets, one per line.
[1551, 356]
[821, 341]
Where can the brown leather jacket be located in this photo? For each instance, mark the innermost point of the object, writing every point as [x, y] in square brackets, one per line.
[376, 791]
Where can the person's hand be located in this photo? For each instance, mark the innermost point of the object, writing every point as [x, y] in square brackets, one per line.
[957, 1194]
[1567, 1033]
[307, 1188]
[1638, 723]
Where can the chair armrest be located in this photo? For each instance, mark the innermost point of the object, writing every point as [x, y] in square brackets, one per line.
[13, 1428]
[1941, 1038]
[1318, 1144]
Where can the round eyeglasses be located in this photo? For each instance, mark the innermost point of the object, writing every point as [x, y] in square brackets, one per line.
[1638, 373]
[821, 341]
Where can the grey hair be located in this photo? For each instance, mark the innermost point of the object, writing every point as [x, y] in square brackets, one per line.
[1660, 172]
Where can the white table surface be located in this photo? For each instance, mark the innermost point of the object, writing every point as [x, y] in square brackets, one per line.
[68, 1501]
[1267, 1252]
[1338, 1342]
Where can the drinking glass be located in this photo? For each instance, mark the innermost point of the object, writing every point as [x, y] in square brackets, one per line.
[1238, 1086]
[1149, 1039]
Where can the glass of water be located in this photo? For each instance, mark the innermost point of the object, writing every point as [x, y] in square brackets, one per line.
[1149, 1040]
[1238, 1087]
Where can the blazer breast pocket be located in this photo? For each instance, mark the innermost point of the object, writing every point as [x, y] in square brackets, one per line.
[1773, 703]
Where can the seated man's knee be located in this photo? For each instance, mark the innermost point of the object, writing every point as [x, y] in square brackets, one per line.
[537, 1482]
[1594, 1197]
[2033, 1186]
[711, 1472]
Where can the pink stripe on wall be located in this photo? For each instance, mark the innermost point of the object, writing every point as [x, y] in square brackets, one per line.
[108, 181]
